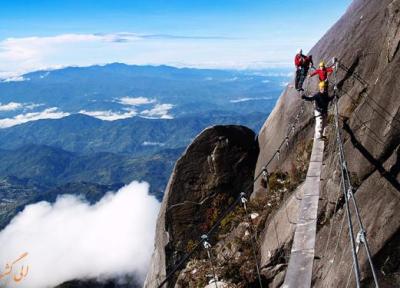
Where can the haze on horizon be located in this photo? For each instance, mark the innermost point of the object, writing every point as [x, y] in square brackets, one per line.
[230, 34]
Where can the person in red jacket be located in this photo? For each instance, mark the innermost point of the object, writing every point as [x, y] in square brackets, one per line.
[322, 73]
[303, 64]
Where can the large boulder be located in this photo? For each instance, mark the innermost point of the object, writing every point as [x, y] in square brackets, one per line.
[215, 168]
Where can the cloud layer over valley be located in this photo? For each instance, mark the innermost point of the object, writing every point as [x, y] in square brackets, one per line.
[49, 113]
[149, 108]
[109, 115]
[157, 111]
[72, 239]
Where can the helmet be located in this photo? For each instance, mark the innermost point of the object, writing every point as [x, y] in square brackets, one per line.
[322, 85]
[300, 51]
[321, 64]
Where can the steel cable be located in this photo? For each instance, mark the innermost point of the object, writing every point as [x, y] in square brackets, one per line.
[348, 193]
[345, 190]
[233, 205]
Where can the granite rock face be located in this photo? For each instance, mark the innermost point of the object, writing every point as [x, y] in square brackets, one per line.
[366, 42]
[212, 172]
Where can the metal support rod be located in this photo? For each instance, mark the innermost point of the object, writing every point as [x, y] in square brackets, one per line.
[362, 229]
[207, 246]
[252, 237]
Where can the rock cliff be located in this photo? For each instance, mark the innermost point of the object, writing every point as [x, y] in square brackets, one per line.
[366, 41]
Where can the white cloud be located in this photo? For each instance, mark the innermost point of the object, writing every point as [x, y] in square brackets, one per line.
[149, 143]
[28, 47]
[250, 99]
[274, 74]
[15, 79]
[49, 113]
[10, 106]
[32, 106]
[233, 79]
[110, 115]
[39, 53]
[20, 55]
[135, 101]
[158, 111]
[283, 84]
[72, 239]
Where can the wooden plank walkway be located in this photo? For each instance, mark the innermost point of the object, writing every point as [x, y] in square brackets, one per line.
[299, 272]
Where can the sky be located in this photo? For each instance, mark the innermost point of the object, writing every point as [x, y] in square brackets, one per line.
[238, 34]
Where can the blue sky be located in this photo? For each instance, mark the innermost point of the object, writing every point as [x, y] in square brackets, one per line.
[203, 33]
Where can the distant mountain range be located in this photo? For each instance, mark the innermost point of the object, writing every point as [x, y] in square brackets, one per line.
[114, 124]
[85, 134]
[34, 173]
[110, 88]
[15, 193]
[51, 166]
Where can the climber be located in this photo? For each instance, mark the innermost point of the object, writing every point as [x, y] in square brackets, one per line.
[321, 100]
[323, 73]
[303, 64]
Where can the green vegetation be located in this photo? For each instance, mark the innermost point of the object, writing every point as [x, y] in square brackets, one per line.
[54, 167]
[135, 136]
[299, 165]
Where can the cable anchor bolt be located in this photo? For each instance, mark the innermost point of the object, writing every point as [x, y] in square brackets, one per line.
[265, 174]
[243, 197]
[361, 236]
[349, 193]
[244, 200]
[360, 239]
[206, 244]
